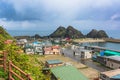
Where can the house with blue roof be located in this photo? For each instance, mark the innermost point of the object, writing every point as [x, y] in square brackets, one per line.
[35, 47]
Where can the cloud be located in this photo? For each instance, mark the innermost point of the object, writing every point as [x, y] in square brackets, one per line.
[49, 14]
[115, 17]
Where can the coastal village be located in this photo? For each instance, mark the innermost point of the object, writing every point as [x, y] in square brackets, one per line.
[57, 57]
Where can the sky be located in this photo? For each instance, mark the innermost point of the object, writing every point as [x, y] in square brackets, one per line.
[50, 14]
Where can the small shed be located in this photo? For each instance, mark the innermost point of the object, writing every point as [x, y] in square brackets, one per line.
[53, 63]
[67, 73]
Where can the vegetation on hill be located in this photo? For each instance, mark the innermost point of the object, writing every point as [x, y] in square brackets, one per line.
[27, 63]
[59, 32]
[73, 33]
[3, 36]
[97, 34]
[70, 32]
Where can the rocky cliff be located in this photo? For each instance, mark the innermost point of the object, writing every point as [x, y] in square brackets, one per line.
[59, 32]
[70, 32]
[97, 34]
[73, 33]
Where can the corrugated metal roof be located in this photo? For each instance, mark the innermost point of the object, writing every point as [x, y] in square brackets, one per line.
[117, 58]
[111, 73]
[56, 61]
[116, 76]
[68, 73]
[111, 53]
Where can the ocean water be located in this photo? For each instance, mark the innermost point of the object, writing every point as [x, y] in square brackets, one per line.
[29, 33]
[111, 33]
[109, 45]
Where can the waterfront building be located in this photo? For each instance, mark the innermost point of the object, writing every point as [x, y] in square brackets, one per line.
[86, 54]
[113, 62]
[110, 75]
[101, 59]
[109, 61]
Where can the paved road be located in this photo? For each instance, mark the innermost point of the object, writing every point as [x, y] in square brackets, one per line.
[69, 53]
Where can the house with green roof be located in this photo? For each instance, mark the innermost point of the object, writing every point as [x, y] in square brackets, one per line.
[67, 72]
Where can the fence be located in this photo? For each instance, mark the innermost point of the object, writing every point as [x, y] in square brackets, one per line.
[11, 72]
[3, 64]
[3, 60]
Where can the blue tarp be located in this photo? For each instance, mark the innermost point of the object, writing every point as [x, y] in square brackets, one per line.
[102, 53]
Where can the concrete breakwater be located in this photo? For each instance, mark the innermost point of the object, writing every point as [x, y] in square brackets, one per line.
[88, 40]
[97, 40]
[112, 40]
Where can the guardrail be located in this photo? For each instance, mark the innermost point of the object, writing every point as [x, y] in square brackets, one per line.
[3, 60]
[11, 66]
[11, 72]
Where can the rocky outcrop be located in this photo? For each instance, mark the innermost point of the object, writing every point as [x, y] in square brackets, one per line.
[59, 33]
[102, 34]
[92, 34]
[70, 32]
[73, 33]
[97, 34]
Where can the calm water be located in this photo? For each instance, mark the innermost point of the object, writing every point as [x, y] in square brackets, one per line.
[29, 33]
[111, 33]
[115, 46]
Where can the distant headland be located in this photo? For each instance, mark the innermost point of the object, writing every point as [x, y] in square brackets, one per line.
[70, 32]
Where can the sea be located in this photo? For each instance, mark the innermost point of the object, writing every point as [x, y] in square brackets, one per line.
[111, 33]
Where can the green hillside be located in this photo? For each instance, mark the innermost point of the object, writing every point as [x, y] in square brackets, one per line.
[3, 36]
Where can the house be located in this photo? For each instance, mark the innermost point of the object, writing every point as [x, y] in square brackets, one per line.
[21, 42]
[53, 63]
[113, 62]
[102, 59]
[38, 47]
[47, 50]
[56, 49]
[28, 49]
[110, 75]
[52, 49]
[85, 54]
[66, 73]
[8, 41]
[35, 47]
